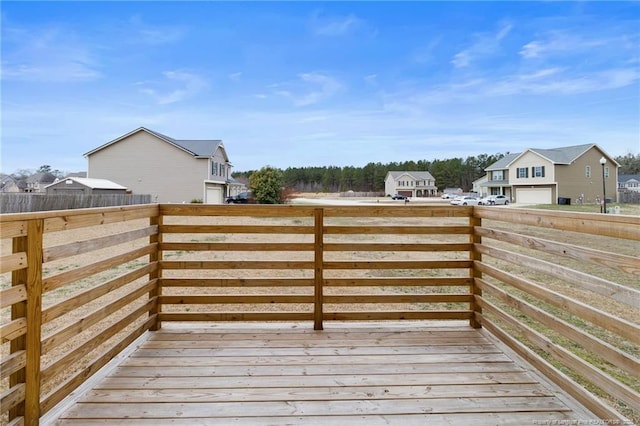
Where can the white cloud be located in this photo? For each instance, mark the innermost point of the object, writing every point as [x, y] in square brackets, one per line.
[153, 35]
[235, 76]
[334, 26]
[51, 54]
[485, 44]
[175, 87]
[309, 89]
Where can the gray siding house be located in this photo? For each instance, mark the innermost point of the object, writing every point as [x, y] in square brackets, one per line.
[84, 186]
[171, 170]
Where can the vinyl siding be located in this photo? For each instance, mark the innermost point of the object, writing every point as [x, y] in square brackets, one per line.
[527, 161]
[572, 180]
[148, 165]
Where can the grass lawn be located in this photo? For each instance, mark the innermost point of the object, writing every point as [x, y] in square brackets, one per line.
[625, 209]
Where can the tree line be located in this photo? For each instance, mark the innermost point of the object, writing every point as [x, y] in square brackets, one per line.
[448, 173]
[454, 172]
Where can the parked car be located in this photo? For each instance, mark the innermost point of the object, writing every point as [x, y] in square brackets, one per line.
[466, 200]
[241, 198]
[448, 196]
[492, 200]
[399, 197]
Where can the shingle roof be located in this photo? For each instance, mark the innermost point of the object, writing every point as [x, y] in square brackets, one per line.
[563, 155]
[626, 178]
[415, 175]
[504, 162]
[197, 148]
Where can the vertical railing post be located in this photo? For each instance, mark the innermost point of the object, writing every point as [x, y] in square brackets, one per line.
[318, 312]
[35, 229]
[156, 274]
[18, 310]
[476, 256]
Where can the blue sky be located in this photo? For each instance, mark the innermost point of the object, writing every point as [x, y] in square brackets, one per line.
[297, 84]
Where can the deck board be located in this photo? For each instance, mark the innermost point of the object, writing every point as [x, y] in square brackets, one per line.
[349, 374]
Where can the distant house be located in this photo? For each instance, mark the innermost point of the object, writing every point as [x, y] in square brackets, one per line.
[171, 170]
[85, 186]
[410, 184]
[37, 181]
[77, 174]
[9, 184]
[629, 183]
[542, 176]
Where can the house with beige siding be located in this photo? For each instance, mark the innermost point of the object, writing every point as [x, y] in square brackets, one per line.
[543, 176]
[171, 170]
[410, 184]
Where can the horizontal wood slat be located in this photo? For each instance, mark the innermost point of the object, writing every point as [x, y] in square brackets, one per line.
[60, 280]
[81, 247]
[235, 229]
[236, 316]
[393, 298]
[594, 345]
[625, 227]
[234, 299]
[236, 282]
[11, 295]
[567, 358]
[600, 318]
[13, 329]
[397, 230]
[397, 282]
[235, 264]
[66, 333]
[13, 262]
[237, 246]
[623, 294]
[12, 397]
[435, 247]
[424, 264]
[620, 262]
[82, 218]
[79, 300]
[12, 363]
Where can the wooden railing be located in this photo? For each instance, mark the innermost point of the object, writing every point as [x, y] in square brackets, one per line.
[80, 286]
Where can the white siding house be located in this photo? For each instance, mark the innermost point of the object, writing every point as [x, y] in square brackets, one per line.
[410, 184]
[171, 170]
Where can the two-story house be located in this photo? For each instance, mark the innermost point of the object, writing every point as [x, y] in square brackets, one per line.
[629, 183]
[171, 170]
[542, 176]
[410, 184]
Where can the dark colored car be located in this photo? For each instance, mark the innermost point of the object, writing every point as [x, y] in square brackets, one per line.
[399, 197]
[241, 198]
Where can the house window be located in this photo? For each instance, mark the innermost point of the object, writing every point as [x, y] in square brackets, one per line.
[214, 168]
[587, 171]
[497, 175]
[523, 172]
[606, 172]
[537, 171]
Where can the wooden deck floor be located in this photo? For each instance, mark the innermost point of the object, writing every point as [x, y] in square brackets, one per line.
[356, 373]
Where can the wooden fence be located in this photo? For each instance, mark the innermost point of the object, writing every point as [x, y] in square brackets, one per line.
[79, 286]
[34, 202]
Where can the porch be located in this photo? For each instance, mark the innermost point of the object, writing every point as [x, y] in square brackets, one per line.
[293, 313]
[409, 373]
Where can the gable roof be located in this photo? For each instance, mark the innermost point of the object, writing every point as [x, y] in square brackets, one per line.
[504, 162]
[415, 175]
[92, 183]
[204, 148]
[562, 155]
[41, 177]
[627, 178]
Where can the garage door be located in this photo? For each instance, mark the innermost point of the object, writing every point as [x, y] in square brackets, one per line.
[533, 196]
[214, 195]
